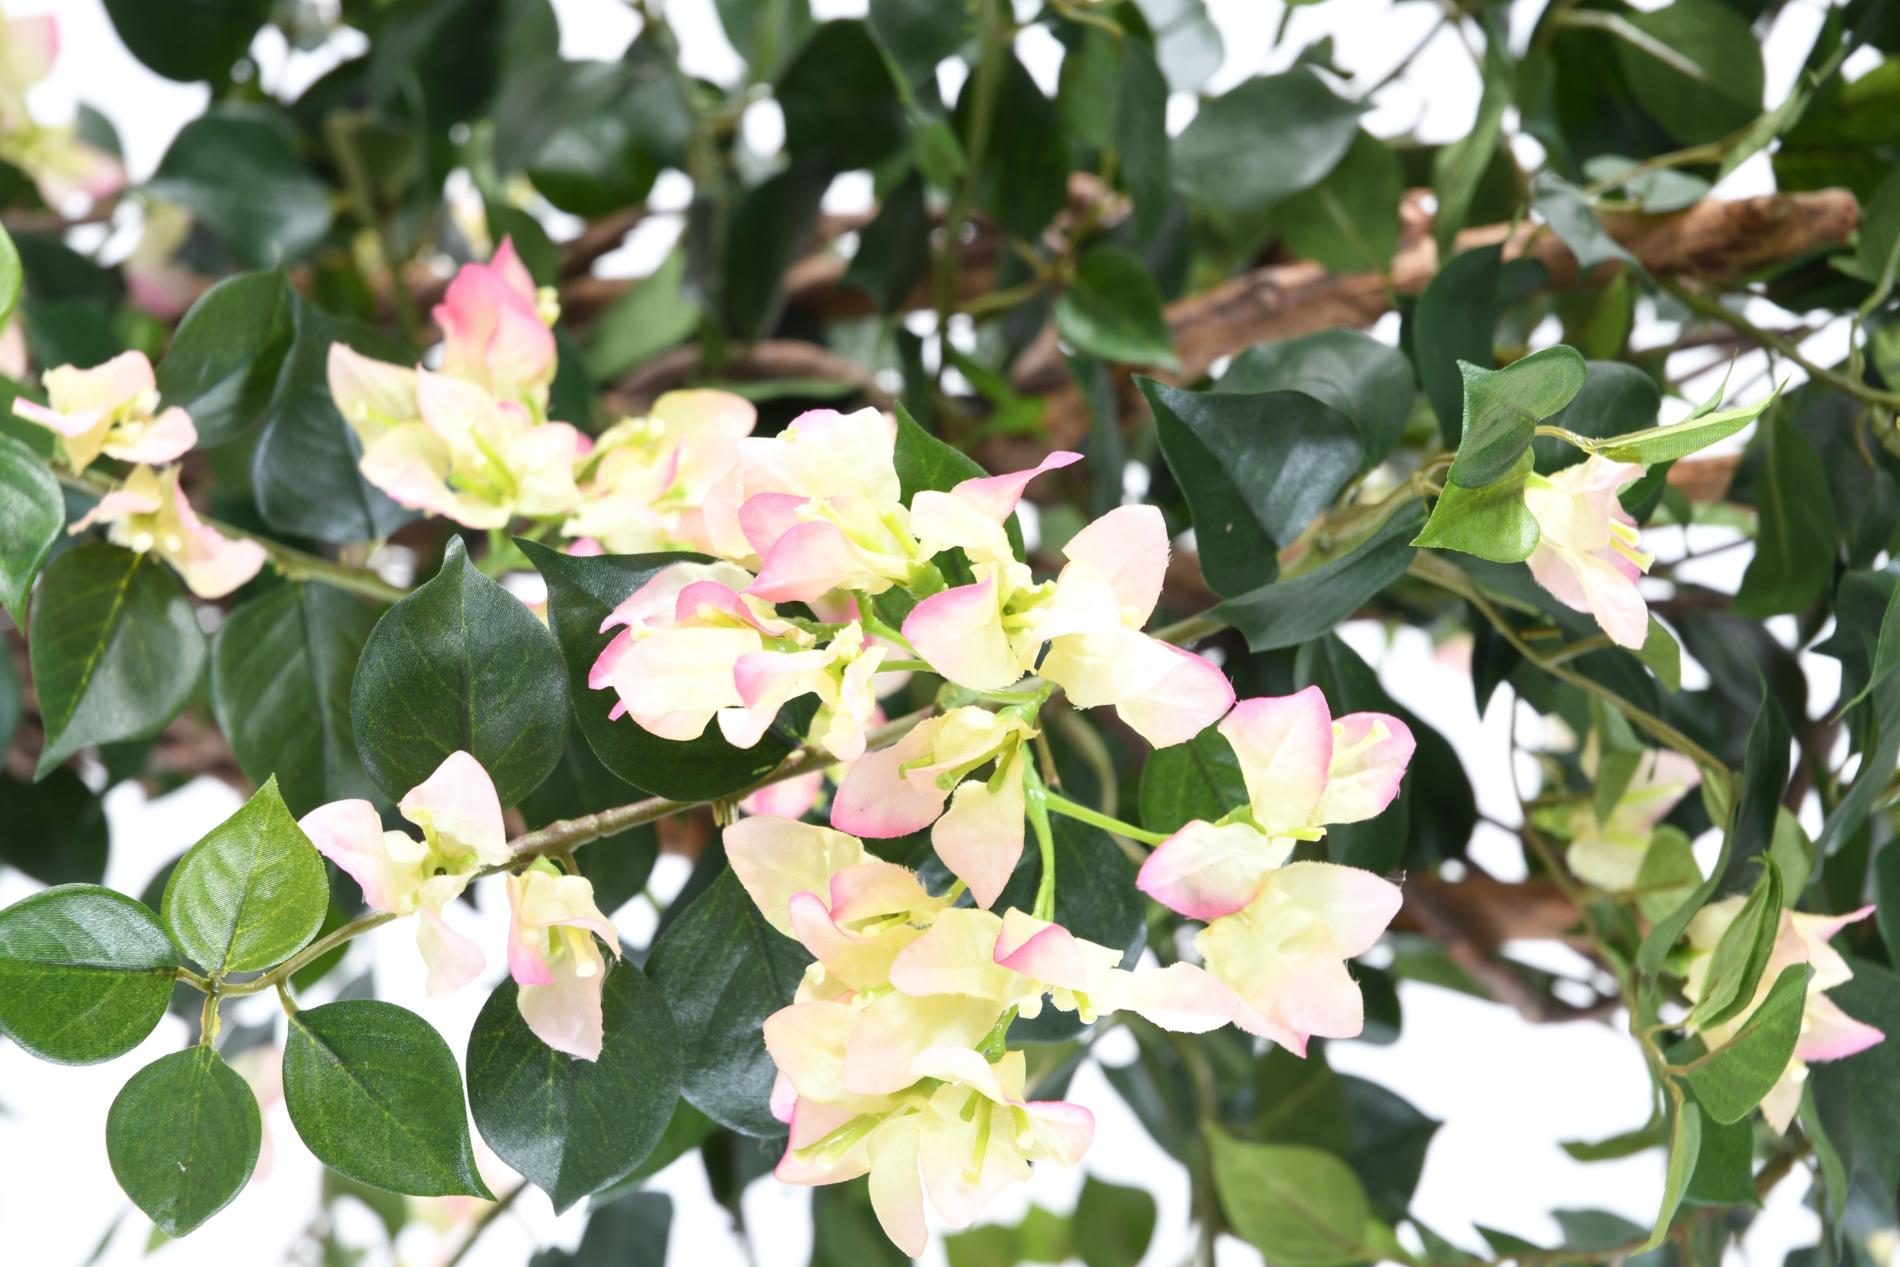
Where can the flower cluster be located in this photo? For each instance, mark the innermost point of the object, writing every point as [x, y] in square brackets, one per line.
[113, 411]
[1827, 1033]
[892, 1058]
[63, 167]
[551, 950]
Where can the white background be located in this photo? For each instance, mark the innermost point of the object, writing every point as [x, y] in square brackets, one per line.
[1505, 1090]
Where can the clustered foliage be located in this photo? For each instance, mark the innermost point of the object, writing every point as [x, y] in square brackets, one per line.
[510, 572]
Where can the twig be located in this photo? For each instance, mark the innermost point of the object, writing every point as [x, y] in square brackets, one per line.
[482, 1222]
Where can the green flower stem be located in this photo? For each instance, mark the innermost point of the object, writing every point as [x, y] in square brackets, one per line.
[1435, 571]
[297, 962]
[1036, 801]
[1082, 813]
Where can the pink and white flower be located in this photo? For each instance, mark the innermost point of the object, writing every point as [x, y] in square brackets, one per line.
[149, 513]
[460, 817]
[554, 959]
[1827, 1033]
[65, 168]
[495, 332]
[903, 788]
[685, 631]
[986, 635]
[111, 409]
[1608, 852]
[842, 674]
[1588, 553]
[648, 477]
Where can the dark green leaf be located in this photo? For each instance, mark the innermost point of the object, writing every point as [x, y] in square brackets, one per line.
[1616, 400]
[1289, 612]
[1454, 323]
[304, 468]
[724, 970]
[1113, 310]
[893, 252]
[838, 98]
[919, 33]
[1141, 138]
[630, 1231]
[1724, 1165]
[237, 170]
[1741, 955]
[1026, 166]
[1300, 1207]
[116, 649]
[1113, 1224]
[188, 39]
[1255, 468]
[1350, 220]
[459, 665]
[650, 318]
[1389, 1137]
[85, 973]
[1867, 1130]
[1797, 540]
[1711, 85]
[581, 591]
[251, 893]
[1503, 407]
[546, 1113]
[183, 1137]
[56, 829]
[766, 32]
[31, 514]
[769, 229]
[1734, 1078]
[1185, 781]
[1492, 522]
[1362, 378]
[1262, 141]
[374, 1092]
[593, 135]
[223, 364]
[281, 667]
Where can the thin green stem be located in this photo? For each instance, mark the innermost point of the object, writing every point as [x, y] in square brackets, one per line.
[309, 954]
[1036, 803]
[993, 22]
[482, 1222]
[1704, 306]
[1095, 818]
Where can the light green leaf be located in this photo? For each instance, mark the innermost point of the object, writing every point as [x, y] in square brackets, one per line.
[1731, 1080]
[1741, 955]
[31, 514]
[374, 1091]
[459, 665]
[251, 893]
[85, 973]
[1455, 322]
[1503, 407]
[543, 1111]
[1113, 1224]
[183, 1138]
[116, 649]
[1570, 216]
[1492, 522]
[1662, 655]
[1300, 1207]
[1679, 440]
[1685, 1144]
[10, 277]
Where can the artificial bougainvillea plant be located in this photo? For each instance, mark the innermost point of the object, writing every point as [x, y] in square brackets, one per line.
[486, 577]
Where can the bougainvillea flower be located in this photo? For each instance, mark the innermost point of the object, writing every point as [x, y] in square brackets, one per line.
[648, 477]
[1608, 851]
[1587, 552]
[842, 674]
[822, 459]
[62, 165]
[554, 959]
[149, 512]
[1827, 1033]
[964, 1137]
[460, 817]
[1284, 954]
[673, 663]
[987, 635]
[902, 789]
[1303, 770]
[788, 798]
[495, 332]
[156, 277]
[110, 409]
[470, 457]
